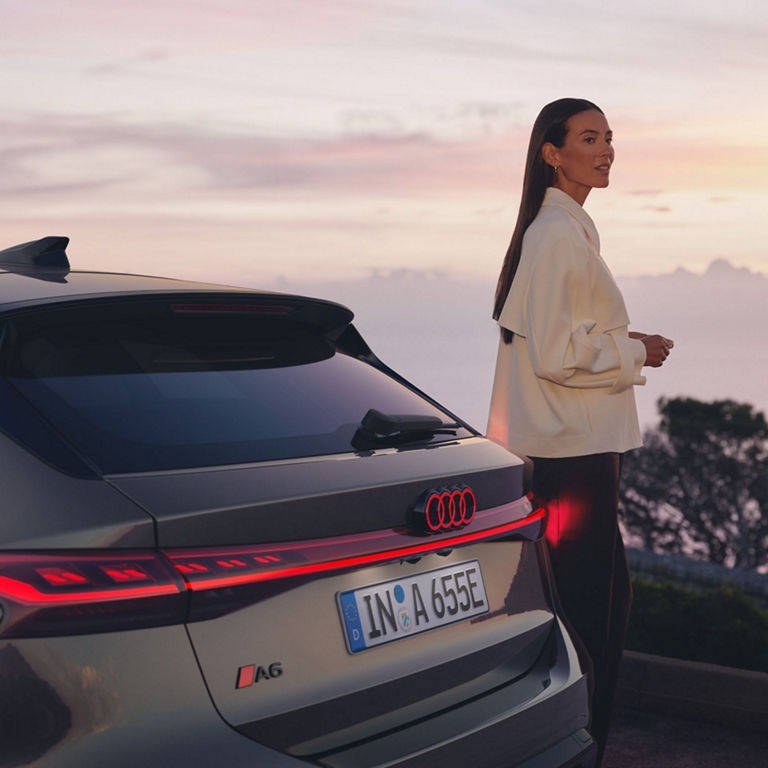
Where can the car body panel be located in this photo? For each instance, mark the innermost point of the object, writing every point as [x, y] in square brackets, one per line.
[58, 511]
[118, 699]
[18, 291]
[322, 496]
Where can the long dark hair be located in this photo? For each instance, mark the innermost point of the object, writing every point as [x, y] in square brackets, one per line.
[551, 126]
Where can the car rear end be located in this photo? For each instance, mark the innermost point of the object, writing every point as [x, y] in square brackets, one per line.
[211, 556]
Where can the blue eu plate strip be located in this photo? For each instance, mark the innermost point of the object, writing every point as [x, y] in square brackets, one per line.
[352, 621]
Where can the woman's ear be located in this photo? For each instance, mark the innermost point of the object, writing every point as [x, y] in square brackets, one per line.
[550, 154]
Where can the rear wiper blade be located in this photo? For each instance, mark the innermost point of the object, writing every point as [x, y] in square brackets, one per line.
[379, 428]
[377, 423]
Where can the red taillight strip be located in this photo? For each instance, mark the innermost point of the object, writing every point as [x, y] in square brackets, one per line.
[69, 578]
[25, 593]
[31, 579]
[193, 563]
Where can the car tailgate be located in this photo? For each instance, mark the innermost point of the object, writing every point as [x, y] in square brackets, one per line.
[275, 653]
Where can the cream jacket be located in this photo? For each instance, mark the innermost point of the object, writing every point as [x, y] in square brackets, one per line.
[564, 386]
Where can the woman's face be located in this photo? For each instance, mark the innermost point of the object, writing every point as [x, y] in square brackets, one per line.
[584, 161]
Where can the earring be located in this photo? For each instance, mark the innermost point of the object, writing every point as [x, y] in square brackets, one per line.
[555, 167]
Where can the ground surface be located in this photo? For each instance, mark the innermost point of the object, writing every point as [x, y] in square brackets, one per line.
[646, 740]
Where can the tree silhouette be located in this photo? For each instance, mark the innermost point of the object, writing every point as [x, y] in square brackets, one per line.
[700, 483]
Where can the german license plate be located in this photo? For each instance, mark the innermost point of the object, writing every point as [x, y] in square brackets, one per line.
[392, 610]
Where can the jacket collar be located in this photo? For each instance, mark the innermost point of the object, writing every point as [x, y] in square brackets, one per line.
[558, 198]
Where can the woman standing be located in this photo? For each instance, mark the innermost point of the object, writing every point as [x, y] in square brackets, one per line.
[563, 390]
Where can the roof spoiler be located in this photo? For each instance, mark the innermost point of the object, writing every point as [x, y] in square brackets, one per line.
[44, 259]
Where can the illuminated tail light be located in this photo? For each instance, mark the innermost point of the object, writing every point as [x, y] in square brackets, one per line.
[232, 566]
[78, 593]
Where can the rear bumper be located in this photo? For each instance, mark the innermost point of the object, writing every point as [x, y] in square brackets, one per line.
[152, 709]
[498, 730]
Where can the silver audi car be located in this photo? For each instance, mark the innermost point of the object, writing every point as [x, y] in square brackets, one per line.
[231, 536]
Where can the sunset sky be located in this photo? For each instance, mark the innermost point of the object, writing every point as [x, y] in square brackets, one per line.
[252, 140]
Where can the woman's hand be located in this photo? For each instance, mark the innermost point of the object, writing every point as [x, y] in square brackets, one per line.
[657, 348]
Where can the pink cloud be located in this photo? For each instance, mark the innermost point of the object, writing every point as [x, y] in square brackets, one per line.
[357, 164]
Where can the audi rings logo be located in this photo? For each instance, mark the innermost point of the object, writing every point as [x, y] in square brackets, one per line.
[445, 509]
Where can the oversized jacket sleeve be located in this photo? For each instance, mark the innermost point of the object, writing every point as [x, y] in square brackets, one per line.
[573, 318]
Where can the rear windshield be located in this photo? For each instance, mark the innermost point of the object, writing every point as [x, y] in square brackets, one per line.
[147, 386]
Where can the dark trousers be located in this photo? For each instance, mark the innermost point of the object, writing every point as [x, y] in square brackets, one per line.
[590, 568]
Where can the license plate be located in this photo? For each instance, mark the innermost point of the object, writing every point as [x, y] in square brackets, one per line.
[392, 610]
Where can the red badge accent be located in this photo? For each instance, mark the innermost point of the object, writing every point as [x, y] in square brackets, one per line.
[444, 509]
[245, 676]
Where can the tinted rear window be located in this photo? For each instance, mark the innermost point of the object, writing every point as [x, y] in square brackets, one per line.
[145, 386]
